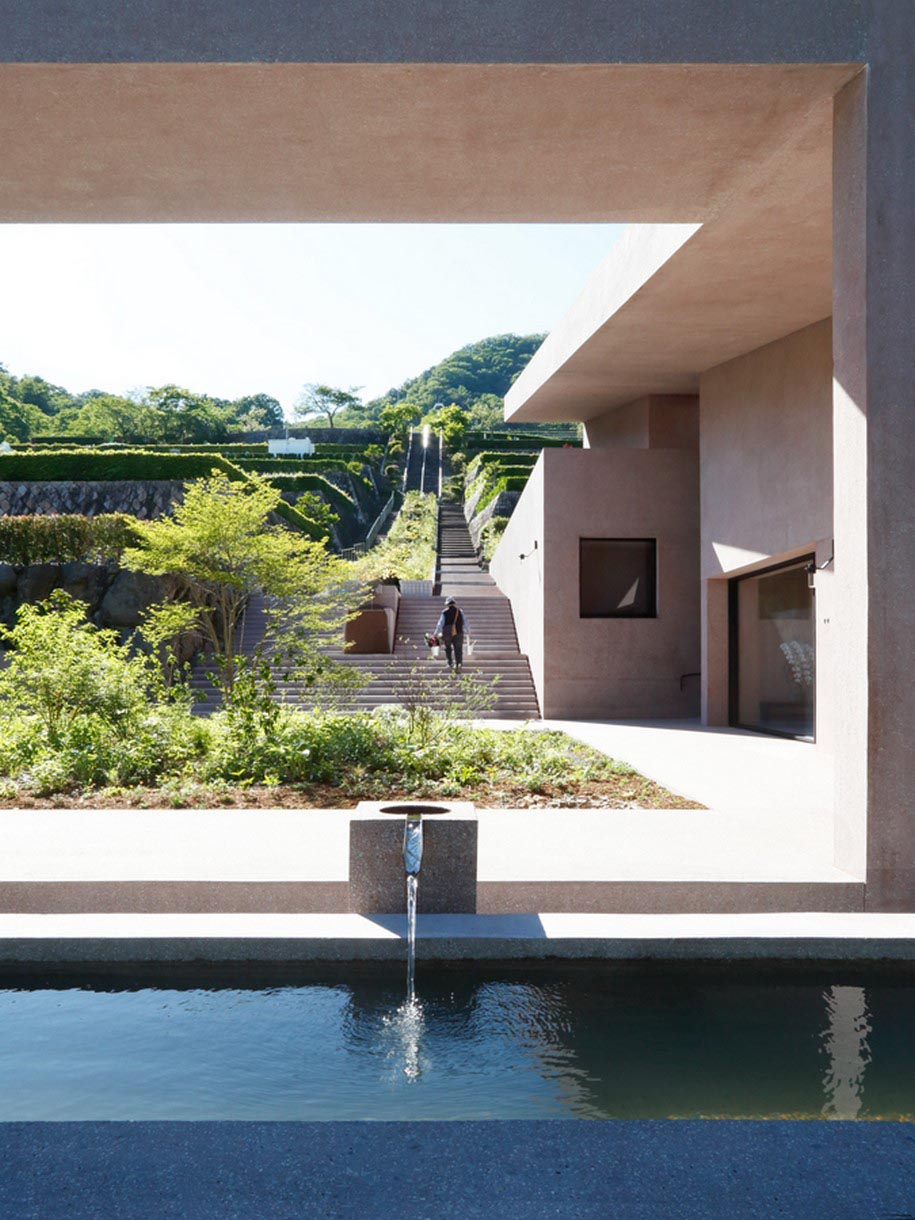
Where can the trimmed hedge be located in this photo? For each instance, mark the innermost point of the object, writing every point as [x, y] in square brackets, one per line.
[301, 466]
[76, 465]
[340, 500]
[478, 443]
[521, 461]
[64, 538]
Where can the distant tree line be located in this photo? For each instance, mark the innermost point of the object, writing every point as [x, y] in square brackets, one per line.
[31, 407]
[468, 386]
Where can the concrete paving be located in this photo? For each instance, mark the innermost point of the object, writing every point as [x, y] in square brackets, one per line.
[640, 1170]
[818, 936]
[765, 843]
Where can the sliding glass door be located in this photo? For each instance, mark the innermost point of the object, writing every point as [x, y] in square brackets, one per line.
[773, 651]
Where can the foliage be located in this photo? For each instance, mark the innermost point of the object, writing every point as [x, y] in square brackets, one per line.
[18, 420]
[220, 545]
[485, 480]
[396, 417]
[491, 536]
[408, 549]
[60, 539]
[115, 418]
[254, 411]
[317, 510]
[431, 699]
[519, 441]
[80, 709]
[119, 464]
[326, 400]
[471, 377]
[451, 421]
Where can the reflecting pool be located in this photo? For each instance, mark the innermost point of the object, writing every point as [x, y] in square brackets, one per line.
[498, 1042]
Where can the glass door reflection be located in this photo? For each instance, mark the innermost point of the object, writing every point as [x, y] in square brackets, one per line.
[774, 631]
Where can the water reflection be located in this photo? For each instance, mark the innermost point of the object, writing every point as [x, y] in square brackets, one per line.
[498, 1042]
[845, 1041]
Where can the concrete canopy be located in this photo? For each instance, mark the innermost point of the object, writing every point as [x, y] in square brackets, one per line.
[742, 150]
[669, 303]
[391, 142]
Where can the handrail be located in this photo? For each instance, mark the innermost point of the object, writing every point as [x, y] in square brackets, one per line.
[406, 467]
[440, 445]
[379, 521]
[436, 563]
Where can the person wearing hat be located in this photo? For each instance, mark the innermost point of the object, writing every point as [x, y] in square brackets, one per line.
[450, 628]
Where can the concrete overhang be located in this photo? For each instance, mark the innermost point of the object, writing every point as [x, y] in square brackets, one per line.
[670, 302]
[151, 142]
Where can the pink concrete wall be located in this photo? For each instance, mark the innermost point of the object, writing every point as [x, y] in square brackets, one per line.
[606, 668]
[766, 489]
[658, 421]
[522, 580]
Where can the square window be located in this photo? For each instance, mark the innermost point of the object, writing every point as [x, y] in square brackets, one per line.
[617, 577]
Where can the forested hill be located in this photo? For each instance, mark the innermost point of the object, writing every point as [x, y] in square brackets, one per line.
[476, 377]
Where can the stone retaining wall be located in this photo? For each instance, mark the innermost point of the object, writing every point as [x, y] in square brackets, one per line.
[502, 505]
[140, 498]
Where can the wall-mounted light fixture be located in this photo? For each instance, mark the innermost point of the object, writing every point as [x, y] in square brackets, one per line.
[813, 567]
[530, 552]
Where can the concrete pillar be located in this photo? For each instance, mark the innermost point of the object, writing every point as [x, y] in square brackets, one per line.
[874, 313]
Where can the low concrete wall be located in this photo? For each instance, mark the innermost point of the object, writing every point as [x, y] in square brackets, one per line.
[374, 628]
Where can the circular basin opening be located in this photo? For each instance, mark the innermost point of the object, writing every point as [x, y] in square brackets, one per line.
[408, 807]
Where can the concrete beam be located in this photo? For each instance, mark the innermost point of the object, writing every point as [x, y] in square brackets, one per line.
[405, 31]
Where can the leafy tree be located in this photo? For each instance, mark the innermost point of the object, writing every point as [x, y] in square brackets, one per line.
[487, 411]
[185, 417]
[18, 420]
[324, 400]
[220, 544]
[262, 408]
[451, 421]
[116, 419]
[49, 399]
[396, 417]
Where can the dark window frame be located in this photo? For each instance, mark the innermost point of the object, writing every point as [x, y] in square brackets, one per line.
[652, 575]
[734, 651]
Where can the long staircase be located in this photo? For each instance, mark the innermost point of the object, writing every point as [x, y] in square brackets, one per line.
[395, 678]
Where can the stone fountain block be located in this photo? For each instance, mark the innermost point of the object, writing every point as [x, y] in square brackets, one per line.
[448, 880]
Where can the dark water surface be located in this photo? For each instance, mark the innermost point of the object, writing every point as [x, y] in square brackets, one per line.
[491, 1042]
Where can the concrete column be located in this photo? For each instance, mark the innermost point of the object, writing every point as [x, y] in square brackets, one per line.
[874, 311]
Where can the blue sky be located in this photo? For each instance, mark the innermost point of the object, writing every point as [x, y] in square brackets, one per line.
[238, 309]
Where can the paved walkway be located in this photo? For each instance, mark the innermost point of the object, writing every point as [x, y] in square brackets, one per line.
[516, 1170]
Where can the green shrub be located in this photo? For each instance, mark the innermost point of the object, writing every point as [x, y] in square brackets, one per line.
[60, 539]
[408, 549]
[491, 535]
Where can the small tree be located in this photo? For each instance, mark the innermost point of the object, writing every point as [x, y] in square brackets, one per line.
[396, 417]
[221, 546]
[326, 400]
[451, 421]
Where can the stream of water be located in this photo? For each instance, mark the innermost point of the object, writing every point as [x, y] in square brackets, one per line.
[412, 891]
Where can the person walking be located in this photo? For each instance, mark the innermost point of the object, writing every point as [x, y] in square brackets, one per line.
[450, 628]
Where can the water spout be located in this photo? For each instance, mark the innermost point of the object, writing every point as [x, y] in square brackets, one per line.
[412, 862]
[413, 844]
